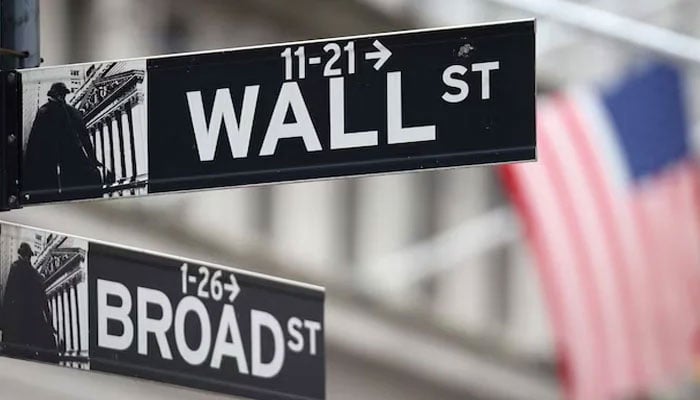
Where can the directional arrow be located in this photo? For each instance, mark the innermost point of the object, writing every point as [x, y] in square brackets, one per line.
[382, 55]
[232, 288]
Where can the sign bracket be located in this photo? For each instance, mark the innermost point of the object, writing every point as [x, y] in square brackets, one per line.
[10, 145]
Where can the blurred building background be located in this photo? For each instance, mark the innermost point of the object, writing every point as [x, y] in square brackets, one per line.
[431, 291]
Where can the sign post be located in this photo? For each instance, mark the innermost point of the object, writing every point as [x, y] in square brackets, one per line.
[19, 48]
[327, 108]
[19, 34]
[95, 306]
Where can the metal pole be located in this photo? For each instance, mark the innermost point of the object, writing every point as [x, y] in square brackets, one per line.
[19, 34]
[626, 30]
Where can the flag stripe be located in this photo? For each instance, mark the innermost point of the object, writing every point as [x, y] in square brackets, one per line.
[685, 262]
[682, 279]
[604, 205]
[574, 186]
[658, 206]
[612, 210]
[556, 300]
[610, 165]
[581, 261]
[564, 290]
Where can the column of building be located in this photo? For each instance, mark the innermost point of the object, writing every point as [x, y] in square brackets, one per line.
[65, 307]
[115, 146]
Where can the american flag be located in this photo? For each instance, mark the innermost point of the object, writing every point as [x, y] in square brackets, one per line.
[611, 210]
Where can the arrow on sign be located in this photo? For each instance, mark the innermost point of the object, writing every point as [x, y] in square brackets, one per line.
[382, 55]
[232, 288]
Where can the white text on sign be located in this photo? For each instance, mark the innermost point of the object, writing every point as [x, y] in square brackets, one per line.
[238, 127]
[217, 339]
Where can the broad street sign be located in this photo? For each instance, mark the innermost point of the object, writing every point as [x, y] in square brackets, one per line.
[83, 304]
[327, 108]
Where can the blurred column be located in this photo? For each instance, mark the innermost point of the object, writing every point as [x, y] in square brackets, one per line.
[307, 225]
[237, 25]
[109, 17]
[462, 294]
[227, 218]
[452, 12]
[20, 32]
[389, 218]
[55, 38]
[529, 327]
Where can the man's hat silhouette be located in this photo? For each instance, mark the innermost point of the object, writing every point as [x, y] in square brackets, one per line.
[25, 250]
[58, 89]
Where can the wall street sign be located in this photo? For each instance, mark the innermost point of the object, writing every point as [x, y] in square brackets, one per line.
[326, 108]
[89, 305]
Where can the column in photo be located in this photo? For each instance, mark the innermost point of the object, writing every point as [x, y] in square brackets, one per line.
[65, 269]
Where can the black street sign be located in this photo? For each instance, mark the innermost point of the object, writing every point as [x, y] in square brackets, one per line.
[328, 108]
[89, 305]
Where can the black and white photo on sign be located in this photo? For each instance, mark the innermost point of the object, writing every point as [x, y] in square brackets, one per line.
[85, 131]
[43, 296]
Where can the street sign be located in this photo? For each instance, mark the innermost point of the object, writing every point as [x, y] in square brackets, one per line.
[94, 306]
[317, 109]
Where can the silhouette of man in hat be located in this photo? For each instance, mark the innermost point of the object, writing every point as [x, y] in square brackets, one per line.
[60, 161]
[27, 329]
